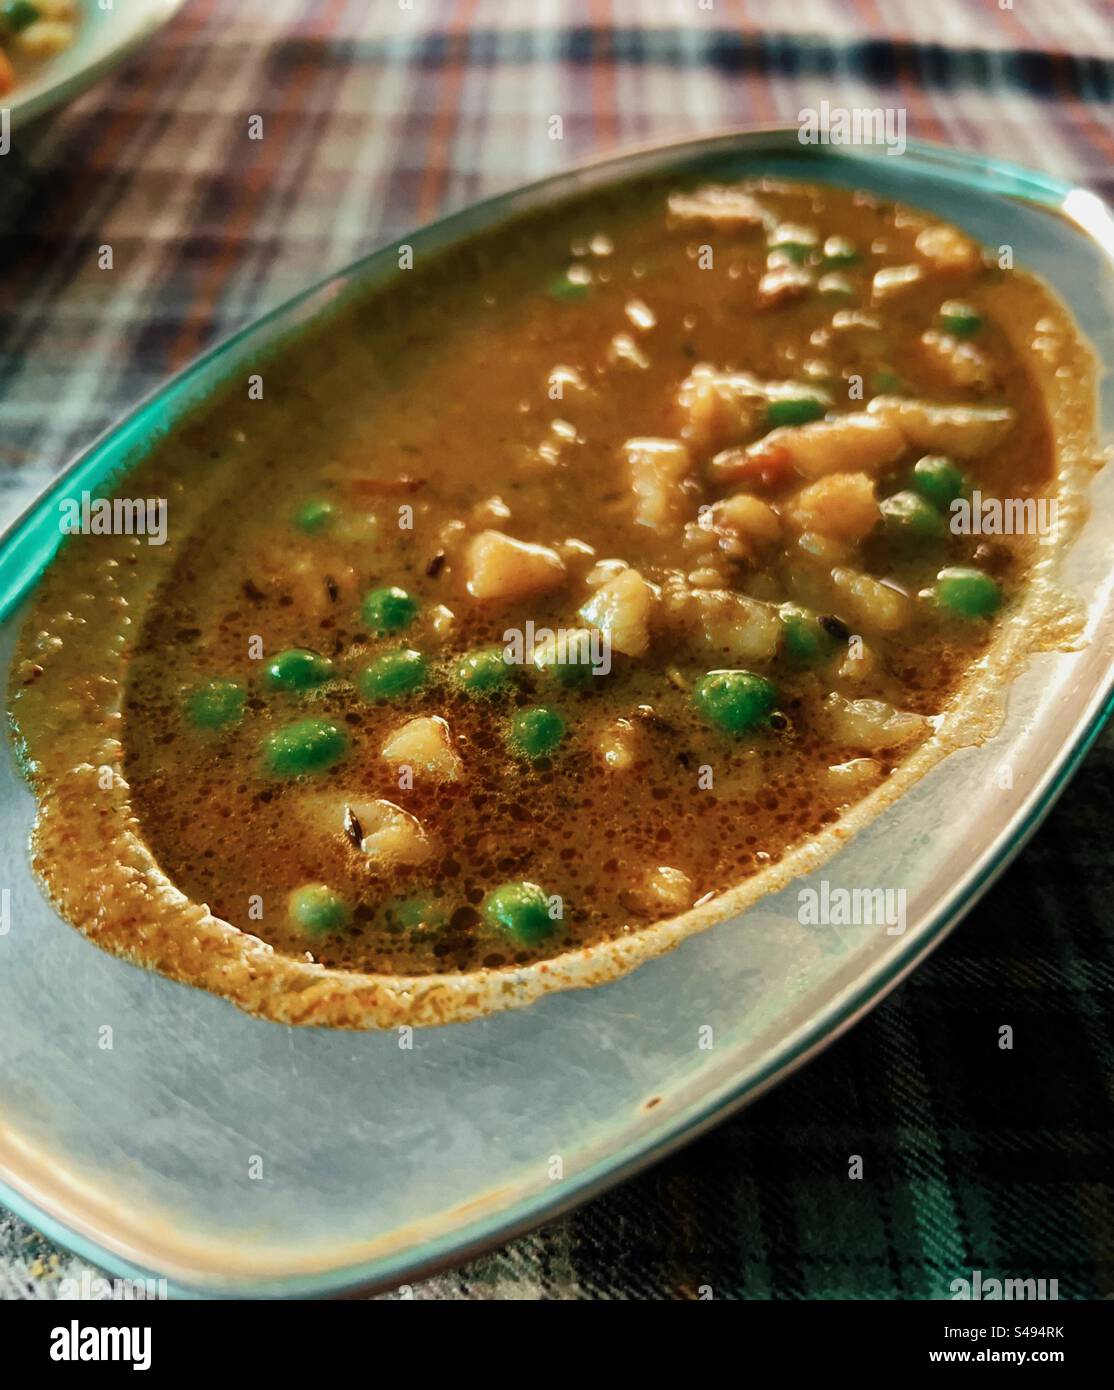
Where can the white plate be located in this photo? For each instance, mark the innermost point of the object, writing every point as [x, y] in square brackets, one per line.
[105, 37]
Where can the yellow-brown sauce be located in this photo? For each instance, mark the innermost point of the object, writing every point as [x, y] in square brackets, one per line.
[438, 395]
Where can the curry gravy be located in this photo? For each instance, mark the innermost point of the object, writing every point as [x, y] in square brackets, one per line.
[512, 388]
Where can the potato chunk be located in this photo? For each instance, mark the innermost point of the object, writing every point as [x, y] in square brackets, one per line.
[720, 408]
[618, 745]
[872, 725]
[425, 745]
[621, 609]
[824, 550]
[830, 446]
[894, 280]
[658, 469]
[661, 892]
[387, 834]
[842, 506]
[846, 779]
[956, 362]
[964, 431]
[869, 602]
[724, 408]
[947, 249]
[748, 518]
[499, 567]
[784, 285]
[722, 624]
[721, 204]
[859, 663]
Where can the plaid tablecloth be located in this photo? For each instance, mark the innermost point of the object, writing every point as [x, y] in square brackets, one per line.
[380, 114]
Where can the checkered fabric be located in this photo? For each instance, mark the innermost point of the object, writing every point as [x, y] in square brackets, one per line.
[381, 114]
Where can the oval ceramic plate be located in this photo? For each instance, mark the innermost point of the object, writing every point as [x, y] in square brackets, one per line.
[104, 38]
[234, 1156]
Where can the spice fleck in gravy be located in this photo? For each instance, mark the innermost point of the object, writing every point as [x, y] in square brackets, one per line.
[558, 588]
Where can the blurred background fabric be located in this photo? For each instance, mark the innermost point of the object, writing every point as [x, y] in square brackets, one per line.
[381, 115]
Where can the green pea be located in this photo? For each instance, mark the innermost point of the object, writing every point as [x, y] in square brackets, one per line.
[883, 383]
[798, 243]
[421, 913]
[839, 251]
[794, 410]
[564, 288]
[734, 700]
[216, 704]
[535, 732]
[959, 318]
[482, 672]
[521, 910]
[908, 516]
[297, 669]
[18, 15]
[787, 251]
[939, 479]
[389, 610]
[313, 516]
[967, 592]
[311, 745]
[315, 908]
[392, 675]
[803, 637]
